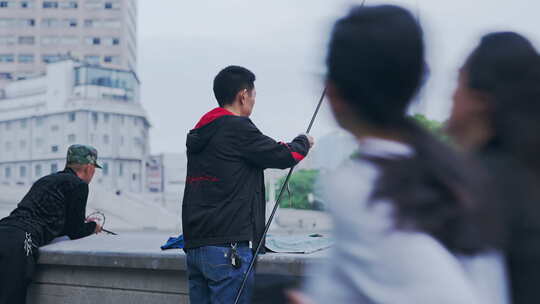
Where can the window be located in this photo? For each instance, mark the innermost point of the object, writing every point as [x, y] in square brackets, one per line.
[106, 117]
[110, 41]
[120, 169]
[105, 169]
[69, 23]
[54, 148]
[37, 170]
[26, 40]
[94, 4]
[6, 4]
[54, 168]
[17, 23]
[55, 128]
[26, 22]
[72, 116]
[71, 138]
[26, 58]
[7, 172]
[39, 121]
[4, 75]
[69, 40]
[69, 4]
[5, 58]
[49, 40]
[92, 59]
[50, 4]
[106, 139]
[112, 23]
[50, 23]
[23, 124]
[8, 23]
[112, 5]
[94, 23]
[7, 40]
[112, 59]
[92, 40]
[51, 58]
[121, 140]
[95, 117]
[134, 176]
[22, 171]
[27, 4]
[8, 126]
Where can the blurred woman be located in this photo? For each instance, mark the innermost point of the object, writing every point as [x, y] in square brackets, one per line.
[406, 206]
[496, 116]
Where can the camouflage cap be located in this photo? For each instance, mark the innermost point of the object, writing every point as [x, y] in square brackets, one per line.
[82, 154]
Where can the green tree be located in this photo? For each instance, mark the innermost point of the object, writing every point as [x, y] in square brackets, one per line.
[301, 184]
[435, 127]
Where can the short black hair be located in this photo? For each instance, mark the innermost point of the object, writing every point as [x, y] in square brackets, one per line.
[231, 80]
[376, 60]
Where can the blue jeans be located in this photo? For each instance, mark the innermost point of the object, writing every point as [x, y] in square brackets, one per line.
[212, 279]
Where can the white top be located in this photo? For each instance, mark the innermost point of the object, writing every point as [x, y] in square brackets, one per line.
[372, 262]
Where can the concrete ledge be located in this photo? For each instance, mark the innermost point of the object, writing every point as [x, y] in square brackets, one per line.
[133, 269]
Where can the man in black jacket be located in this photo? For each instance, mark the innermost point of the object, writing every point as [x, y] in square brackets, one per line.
[223, 212]
[54, 206]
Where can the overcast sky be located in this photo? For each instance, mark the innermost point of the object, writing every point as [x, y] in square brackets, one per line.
[183, 44]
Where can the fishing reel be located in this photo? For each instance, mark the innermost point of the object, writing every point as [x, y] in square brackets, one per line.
[99, 217]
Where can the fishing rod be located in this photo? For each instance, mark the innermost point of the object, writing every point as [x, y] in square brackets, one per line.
[285, 184]
[108, 231]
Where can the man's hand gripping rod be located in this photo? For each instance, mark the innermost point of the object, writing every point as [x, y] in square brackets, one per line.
[259, 245]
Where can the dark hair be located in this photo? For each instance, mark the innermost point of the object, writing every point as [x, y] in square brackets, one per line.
[506, 66]
[376, 61]
[376, 56]
[231, 80]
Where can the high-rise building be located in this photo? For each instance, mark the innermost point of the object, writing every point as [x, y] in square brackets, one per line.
[35, 32]
[74, 103]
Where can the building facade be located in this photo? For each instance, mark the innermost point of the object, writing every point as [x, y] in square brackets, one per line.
[74, 102]
[167, 173]
[36, 32]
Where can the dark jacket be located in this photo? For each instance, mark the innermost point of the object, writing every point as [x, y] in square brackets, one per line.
[224, 199]
[519, 197]
[54, 206]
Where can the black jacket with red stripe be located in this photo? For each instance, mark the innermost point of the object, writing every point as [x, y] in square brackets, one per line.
[224, 198]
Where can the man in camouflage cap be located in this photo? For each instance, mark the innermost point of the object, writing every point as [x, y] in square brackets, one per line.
[82, 154]
[55, 206]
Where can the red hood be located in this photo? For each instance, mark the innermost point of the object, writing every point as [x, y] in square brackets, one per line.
[211, 116]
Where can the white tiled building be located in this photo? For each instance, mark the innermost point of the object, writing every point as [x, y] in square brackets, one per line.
[35, 32]
[74, 103]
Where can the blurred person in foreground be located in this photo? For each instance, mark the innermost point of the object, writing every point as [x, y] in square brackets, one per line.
[405, 208]
[55, 206]
[496, 117]
[223, 211]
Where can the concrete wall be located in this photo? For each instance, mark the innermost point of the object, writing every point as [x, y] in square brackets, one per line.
[132, 269]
